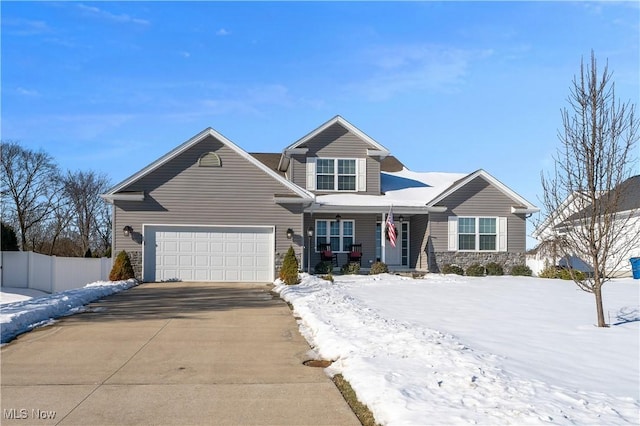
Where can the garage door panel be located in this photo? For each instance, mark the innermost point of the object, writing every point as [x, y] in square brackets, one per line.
[209, 253]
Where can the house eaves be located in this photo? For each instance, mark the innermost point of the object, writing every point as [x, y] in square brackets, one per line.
[302, 193]
[294, 148]
[521, 206]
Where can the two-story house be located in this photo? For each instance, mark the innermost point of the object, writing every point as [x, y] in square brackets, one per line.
[209, 211]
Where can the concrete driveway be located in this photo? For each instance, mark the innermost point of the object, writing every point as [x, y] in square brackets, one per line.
[170, 353]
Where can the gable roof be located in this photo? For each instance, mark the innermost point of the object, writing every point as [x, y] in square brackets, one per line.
[379, 149]
[523, 206]
[110, 194]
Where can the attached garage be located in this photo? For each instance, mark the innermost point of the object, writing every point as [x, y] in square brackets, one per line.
[208, 253]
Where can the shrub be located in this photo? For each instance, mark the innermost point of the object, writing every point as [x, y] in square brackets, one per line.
[122, 269]
[521, 270]
[565, 274]
[8, 239]
[323, 268]
[475, 270]
[378, 268]
[289, 270]
[562, 273]
[549, 272]
[494, 268]
[328, 277]
[350, 268]
[452, 269]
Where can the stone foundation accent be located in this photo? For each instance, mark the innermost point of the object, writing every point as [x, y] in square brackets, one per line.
[466, 259]
[136, 262]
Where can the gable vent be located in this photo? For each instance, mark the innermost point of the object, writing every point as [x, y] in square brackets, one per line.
[209, 159]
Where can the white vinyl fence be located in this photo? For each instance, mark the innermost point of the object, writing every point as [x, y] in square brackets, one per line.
[50, 273]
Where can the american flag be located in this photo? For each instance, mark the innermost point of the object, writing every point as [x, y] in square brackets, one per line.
[391, 228]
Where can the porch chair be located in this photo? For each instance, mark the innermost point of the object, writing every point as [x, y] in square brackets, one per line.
[355, 253]
[326, 255]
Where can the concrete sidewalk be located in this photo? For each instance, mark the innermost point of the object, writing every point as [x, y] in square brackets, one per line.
[170, 353]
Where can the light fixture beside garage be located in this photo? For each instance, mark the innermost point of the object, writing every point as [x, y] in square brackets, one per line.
[289, 233]
[127, 231]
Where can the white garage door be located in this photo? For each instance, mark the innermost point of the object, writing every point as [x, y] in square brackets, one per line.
[197, 253]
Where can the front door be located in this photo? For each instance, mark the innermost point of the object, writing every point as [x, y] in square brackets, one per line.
[398, 255]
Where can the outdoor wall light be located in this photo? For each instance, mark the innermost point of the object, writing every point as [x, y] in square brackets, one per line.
[127, 230]
[310, 235]
[289, 233]
[401, 218]
[338, 217]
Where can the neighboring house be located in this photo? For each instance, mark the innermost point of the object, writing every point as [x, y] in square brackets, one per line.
[208, 210]
[627, 229]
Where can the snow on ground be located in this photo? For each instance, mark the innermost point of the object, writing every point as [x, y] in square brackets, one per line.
[23, 315]
[493, 350]
[15, 294]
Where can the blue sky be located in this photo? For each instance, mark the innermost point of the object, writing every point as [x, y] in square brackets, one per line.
[446, 86]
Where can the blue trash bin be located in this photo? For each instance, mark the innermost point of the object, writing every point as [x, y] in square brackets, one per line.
[635, 267]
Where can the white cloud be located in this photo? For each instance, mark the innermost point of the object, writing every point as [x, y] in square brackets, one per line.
[25, 27]
[406, 68]
[223, 32]
[185, 54]
[122, 18]
[27, 92]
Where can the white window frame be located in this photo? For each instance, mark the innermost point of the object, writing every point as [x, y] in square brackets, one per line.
[341, 235]
[500, 234]
[337, 175]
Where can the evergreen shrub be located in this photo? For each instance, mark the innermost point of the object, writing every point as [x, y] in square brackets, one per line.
[521, 270]
[494, 268]
[452, 269]
[289, 270]
[475, 270]
[323, 267]
[122, 269]
[350, 268]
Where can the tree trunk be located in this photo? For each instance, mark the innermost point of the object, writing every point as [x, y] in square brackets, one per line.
[597, 291]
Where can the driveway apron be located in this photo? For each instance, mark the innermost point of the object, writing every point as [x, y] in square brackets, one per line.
[170, 353]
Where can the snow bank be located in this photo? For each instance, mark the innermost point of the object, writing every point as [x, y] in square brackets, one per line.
[22, 316]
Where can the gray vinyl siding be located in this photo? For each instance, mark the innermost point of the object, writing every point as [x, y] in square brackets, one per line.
[418, 242]
[479, 198]
[180, 192]
[336, 142]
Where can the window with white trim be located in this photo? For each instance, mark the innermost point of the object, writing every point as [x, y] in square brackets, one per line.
[338, 233]
[336, 174]
[477, 233]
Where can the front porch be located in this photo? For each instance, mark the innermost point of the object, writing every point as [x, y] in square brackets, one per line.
[343, 229]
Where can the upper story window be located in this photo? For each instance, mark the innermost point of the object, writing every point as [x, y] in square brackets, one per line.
[336, 174]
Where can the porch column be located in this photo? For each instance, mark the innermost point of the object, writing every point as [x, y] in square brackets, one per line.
[383, 239]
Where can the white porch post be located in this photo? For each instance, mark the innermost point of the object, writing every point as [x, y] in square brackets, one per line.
[383, 240]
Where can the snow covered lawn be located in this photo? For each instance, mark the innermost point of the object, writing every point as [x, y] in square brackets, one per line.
[21, 310]
[493, 350]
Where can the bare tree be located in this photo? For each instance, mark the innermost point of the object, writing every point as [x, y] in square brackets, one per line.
[584, 195]
[28, 182]
[83, 190]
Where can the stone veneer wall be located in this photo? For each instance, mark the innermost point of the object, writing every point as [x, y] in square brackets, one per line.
[466, 259]
[136, 262]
